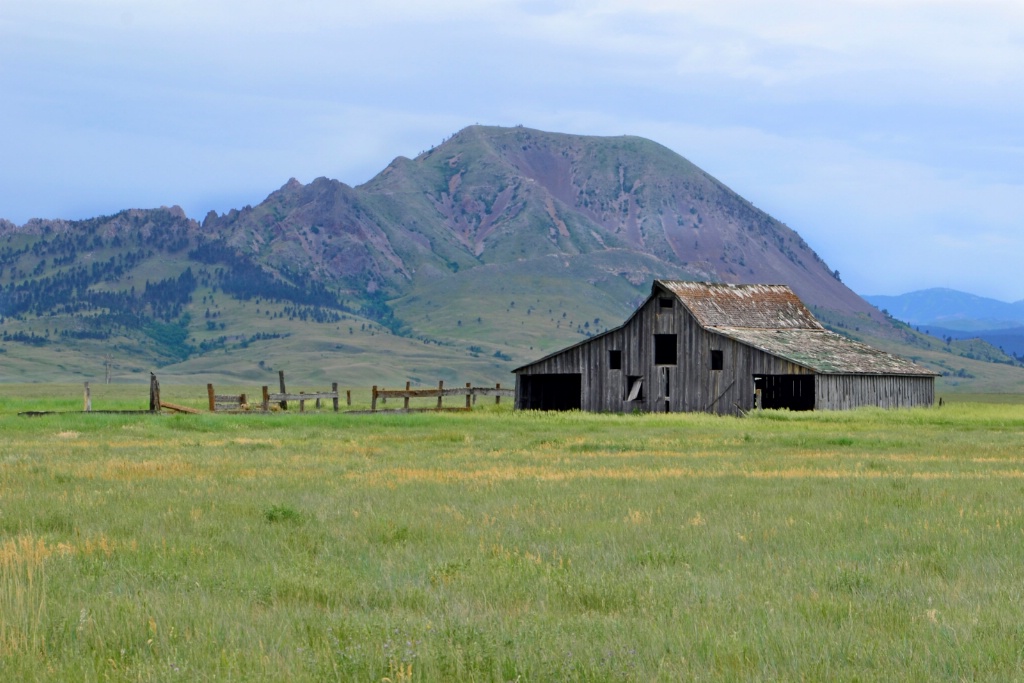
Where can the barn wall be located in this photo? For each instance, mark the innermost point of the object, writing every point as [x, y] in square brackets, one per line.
[692, 384]
[841, 392]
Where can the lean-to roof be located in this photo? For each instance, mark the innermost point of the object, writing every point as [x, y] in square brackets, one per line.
[824, 352]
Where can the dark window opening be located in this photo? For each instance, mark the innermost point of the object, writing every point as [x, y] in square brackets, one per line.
[665, 303]
[665, 349]
[550, 392]
[789, 392]
[716, 360]
[635, 386]
[614, 359]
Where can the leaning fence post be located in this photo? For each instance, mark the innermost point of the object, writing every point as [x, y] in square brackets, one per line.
[334, 390]
[440, 392]
[348, 397]
[373, 400]
[284, 401]
[497, 396]
[212, 397]
[469, 395]
[88, 399]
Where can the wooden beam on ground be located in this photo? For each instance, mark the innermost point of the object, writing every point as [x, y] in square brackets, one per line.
[179, 409]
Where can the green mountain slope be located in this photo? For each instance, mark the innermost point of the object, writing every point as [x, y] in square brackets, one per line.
[500, 245]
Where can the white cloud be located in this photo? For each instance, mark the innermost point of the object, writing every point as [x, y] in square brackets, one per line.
[861, 123]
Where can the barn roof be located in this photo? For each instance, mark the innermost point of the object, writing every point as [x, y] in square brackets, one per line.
[773, 319]
[824, 352]
[716, 304]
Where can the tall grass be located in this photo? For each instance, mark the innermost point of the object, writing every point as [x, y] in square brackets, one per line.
[500, 546]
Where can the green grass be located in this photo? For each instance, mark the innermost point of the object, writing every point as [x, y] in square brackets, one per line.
[500, 546]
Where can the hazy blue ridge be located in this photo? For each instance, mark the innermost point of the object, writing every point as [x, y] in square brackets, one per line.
[952, 310]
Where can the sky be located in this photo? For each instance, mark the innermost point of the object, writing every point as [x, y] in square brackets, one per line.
[888, 133]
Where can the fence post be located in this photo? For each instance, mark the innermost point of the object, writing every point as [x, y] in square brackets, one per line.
[497, 397]
[440, 392]
[154, 393]
[88, 399]
[243, 402]
[318, 403]
[405, 403]
[266, 399]
[334, 390]
[469, 395]
[348, 397]
[213, 399]
[302, 403]
[284, 402]
[373, 400]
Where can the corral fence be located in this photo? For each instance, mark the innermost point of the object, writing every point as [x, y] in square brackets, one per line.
[279, 401]
[268, 401]
[469, 391]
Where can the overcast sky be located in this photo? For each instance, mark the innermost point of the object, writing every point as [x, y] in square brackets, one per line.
[888, 133]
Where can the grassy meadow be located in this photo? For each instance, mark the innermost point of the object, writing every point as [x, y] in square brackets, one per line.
[503, 546]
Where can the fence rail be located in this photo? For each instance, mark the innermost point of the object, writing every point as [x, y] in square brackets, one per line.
[268, 401]
[469, 391]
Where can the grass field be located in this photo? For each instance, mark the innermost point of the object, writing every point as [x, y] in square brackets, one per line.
[502, 546]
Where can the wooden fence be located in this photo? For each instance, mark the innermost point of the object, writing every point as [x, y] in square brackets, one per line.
[469, 391]
[272, 401]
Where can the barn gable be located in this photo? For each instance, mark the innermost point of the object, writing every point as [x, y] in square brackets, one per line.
[697, 346]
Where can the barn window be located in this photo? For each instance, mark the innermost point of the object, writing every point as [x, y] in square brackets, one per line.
[665, 302]
[636, 388]
[716, 360]
[665, 349]
[614, 359]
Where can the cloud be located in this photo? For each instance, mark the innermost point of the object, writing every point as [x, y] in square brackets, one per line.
[855, 121]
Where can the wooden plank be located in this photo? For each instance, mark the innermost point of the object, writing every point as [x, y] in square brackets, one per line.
[302, 396]
[180, 409]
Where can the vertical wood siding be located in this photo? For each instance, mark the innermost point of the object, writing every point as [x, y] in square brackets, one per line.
[693, 386]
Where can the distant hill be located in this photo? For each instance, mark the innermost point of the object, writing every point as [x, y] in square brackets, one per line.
[951, 314]
[951, 309]
[500, 245]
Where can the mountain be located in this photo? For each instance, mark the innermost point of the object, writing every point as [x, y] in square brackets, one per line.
[951, 309]
[951, 314]
[497, 246]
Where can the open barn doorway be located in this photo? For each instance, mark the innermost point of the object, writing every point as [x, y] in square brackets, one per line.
[788, 392]
[550, 392]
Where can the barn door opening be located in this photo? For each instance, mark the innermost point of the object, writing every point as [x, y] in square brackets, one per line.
[789, 392]
[551, 392]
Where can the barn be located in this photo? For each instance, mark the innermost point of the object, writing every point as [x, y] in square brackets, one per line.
[725, 349]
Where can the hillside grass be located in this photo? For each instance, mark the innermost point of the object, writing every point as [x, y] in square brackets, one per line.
[498, 546]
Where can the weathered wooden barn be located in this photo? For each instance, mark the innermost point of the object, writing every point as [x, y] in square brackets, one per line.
[721, 348]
